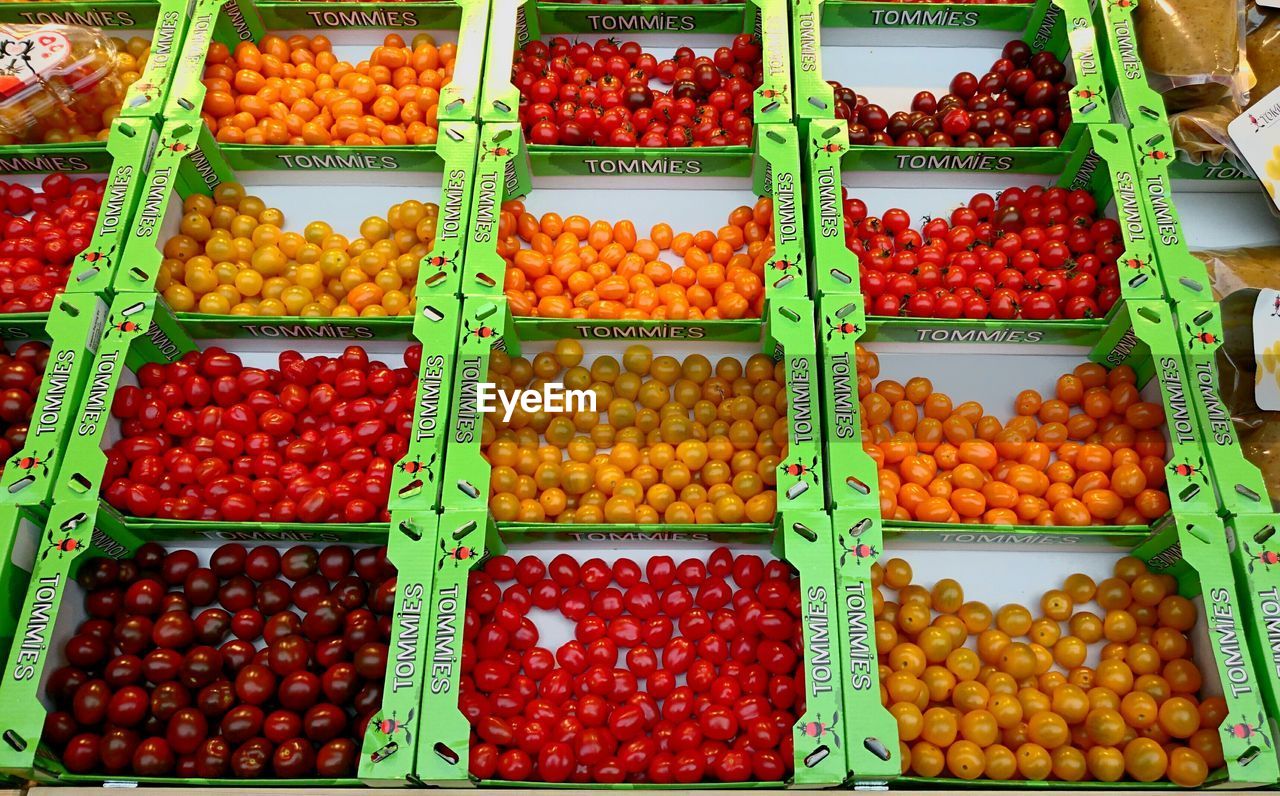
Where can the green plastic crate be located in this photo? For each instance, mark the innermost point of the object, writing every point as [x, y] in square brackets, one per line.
[357, 27]
[1144, 339]
[140, 329]
[1100, 161]
[188, 161]
[467, 537]
[76, 532]
[488, 326]
[1017, 565]
[689, 191]
[22, 543]
[968, 39]
[659, 29]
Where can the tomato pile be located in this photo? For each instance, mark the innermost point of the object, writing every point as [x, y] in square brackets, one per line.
[1093, 454]
[578, 94]
[205, 671]
[1023, 100]
[1020, 701]
[21, 372]
[89, 116]
[1036, 253]
[41, 232]
[296, 91]
[607, 706]
[232, 256]
[686, 442]
[574, 268]
[207, 438]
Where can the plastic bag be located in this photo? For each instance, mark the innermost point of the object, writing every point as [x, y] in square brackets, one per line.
[46, 69]
[1192, 50]
[1262, 43]
[1201, 132]
[1236, 276]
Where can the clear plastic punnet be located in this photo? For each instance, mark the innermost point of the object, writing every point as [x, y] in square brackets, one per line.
[45, 70]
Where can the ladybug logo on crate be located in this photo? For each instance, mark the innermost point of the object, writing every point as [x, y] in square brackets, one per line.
[819, 728]
[67, 544]
[800, 470]
[1122, 3]
[1206, 339]
[1153, 154]
[1246, 731]
[442, 260]
[147, 91]
[495, 151]
[1089, 95]
[773, 93]
[389, 727]
[481, 332]
[176, 147]
[123, 327]
[1135, 264]
[457, 555]
[27, 463]
[1267, 558]
[1187, 470]
[783, 265]
[416, 466]
[95, 257]
[843, 328]
[832, 148]
[858, 550]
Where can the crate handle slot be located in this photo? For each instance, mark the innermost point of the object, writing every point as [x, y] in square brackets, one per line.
[187, 104]
[841, 276]
[446, 754]
[453, 106]
[127, 130]
[1107, 135]
[436, 278]
[797, 489]
[138, 274]
[789, 314]
[88, 273]
[502, 135]
[1265, 533]
[1153, 140]
[21, 484]
[81, 483]
[486, 310]
[876, 747]
[466, 488]
[15, 740]
[464, 529]
[1198, 532]
[784, 281]
[1203, 318]
[1248, 756]
[411, 489]
[1191, 491]
[772, 106]
[830, 131]
[857, 485]
[860, 527]
[386, 751]
[1149, 315]
[775, 136]
[816, 756]
[818, 103]
[804, 531]
[1149, 112]
[1138, 280]
[70, 523]
[432, 314]
[502, 106]
[410, 530]
[1247, 493]
[1191, 284]
[846, 310]
[486, 280]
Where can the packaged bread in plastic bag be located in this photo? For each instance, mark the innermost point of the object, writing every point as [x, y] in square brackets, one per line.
[1192, 49]
[1237, 275]
[45, 70]
[1262, 44]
